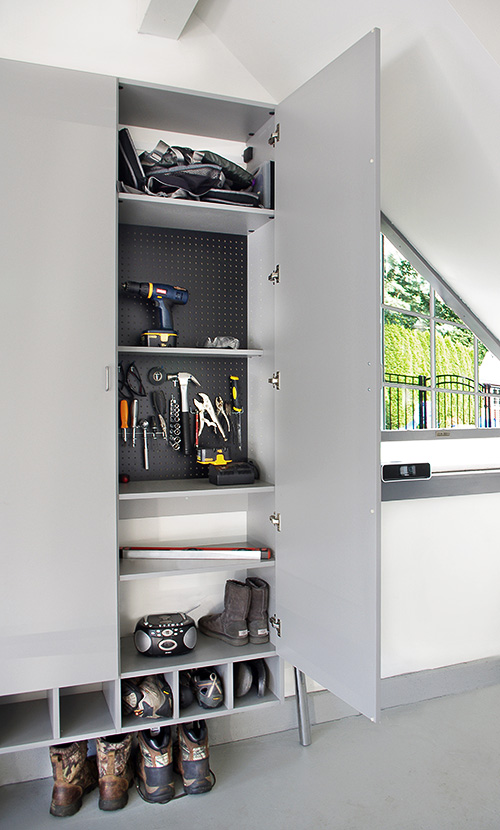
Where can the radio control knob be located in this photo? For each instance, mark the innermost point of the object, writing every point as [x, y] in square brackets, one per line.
[166, 632]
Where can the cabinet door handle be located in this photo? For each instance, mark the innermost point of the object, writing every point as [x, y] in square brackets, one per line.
[107, 382]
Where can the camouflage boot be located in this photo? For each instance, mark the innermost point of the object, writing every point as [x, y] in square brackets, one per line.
[74, 775]
[155, 765]
[230, 625]
[115, 771]
[193, 759]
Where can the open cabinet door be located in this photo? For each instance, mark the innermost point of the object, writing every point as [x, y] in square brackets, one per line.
[328, 357]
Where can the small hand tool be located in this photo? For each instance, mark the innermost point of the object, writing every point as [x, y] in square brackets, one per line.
[174, 424]
[130, 383]
[183, 378]
[220, 408]
[154, 426]
[160, 406]
[144, 426]
[124, 418]
[134, 414]
[205, 409]
[236, 406]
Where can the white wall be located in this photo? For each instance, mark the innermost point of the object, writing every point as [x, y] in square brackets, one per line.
[101, 36]
[440, 582]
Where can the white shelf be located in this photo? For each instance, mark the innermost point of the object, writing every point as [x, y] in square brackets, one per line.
[207, 652]
[181, 351]
[182, 488]
[131, 569]
[156, 211]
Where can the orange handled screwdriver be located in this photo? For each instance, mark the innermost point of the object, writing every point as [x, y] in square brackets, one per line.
[124, 418]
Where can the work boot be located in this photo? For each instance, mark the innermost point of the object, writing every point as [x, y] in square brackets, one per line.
[193, 757]
[155, 765]
[115, 771]
[230, 625]
[74, 775]
[258, 624]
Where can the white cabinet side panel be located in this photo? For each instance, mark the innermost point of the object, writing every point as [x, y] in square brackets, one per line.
[58, 157]
[327, 353]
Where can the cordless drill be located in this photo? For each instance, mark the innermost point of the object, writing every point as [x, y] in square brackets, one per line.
[164, 297]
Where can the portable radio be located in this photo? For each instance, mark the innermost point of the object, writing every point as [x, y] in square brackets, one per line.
[157, 635]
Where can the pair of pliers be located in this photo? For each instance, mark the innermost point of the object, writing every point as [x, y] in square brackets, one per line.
[205, 409]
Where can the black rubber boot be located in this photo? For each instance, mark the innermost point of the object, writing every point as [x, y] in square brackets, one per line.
[230, 625]
[155, 765]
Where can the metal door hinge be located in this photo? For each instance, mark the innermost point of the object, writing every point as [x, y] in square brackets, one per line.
[274, 277]
[276, 624]
[275, 519]
[275, 380]
[274, 137]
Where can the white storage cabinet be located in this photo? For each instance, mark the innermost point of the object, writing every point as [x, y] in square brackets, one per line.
[312, 329]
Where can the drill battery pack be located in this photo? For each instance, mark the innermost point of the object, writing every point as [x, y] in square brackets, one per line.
[159, 338]
[239, 472]
[219, 456]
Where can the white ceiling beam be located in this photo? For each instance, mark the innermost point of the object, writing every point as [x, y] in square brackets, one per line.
[166, 18]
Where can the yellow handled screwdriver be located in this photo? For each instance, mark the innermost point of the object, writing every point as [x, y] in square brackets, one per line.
[124, 418]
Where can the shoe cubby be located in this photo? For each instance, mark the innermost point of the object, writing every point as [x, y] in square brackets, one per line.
[206, 682]
[257, 682]
[28, 720]
[131, 722]
[88, 710]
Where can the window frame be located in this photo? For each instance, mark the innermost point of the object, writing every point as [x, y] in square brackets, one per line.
[469, 321]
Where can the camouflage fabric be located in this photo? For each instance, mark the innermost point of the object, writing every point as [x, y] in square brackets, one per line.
[193, 757]
[155, 767]
[113, 755]
[115, 771]
[74, 775]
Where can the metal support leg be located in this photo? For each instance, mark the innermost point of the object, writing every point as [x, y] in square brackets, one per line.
[302, 708]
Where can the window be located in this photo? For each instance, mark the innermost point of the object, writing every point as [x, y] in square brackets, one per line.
[437, 373]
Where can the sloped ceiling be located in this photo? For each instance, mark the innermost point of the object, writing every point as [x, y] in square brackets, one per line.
[440, 143]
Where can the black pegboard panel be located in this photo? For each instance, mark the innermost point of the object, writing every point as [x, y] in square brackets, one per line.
[212, 267]
[164, 462]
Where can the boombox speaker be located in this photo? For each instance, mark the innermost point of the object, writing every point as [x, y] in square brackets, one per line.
[158, 635]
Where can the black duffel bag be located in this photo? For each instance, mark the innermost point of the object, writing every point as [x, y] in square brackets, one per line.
[196, 179]
[165, 156]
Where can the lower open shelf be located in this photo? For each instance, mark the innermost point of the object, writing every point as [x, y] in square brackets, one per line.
[58, 716]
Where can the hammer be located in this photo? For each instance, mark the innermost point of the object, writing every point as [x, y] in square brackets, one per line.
[183, 378]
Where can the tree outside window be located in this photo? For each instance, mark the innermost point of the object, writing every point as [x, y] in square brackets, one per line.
[431, 358]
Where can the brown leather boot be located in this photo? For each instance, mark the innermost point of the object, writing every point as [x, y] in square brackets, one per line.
[74, 775]
[258, 624]
[231, 624]
[115, 771]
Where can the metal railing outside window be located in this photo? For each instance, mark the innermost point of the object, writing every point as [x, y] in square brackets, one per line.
[408, 402]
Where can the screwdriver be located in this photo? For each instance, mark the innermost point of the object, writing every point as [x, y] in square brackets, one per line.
[134, 412]
[236, 406]
[124, 418]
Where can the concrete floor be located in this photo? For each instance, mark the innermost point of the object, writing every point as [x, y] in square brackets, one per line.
[428, 766]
